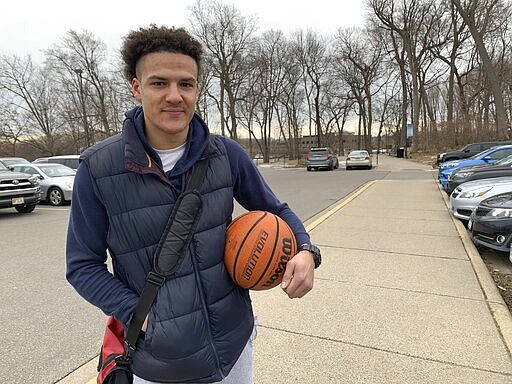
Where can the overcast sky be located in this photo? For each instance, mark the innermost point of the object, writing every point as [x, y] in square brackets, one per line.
[30, 26]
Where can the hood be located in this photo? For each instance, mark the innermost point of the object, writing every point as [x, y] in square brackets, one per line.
[136, 145]
[495, 181]
[13, 175]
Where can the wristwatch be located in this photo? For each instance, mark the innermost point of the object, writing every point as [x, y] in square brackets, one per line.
[315, 251]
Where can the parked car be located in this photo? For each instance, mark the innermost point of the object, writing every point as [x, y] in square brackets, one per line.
[8, 161]
[40, 160]
[466, 197]
[319, 158]
[18, 190]
[358, 159]
[501, 168]
[468, 151]
[69, 160]
[489, 156]
[490, 224]
[56, 180]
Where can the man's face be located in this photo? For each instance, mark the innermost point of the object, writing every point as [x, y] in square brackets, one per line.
[167, 87]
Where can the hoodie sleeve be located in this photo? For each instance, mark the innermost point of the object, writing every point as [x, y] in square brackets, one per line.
[86, 252]
[253, 193]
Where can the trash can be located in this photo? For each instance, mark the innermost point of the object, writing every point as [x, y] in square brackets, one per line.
[400, 151]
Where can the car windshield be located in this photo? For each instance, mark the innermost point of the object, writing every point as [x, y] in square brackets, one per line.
[56, 170]
[358, 153]
[3, 167]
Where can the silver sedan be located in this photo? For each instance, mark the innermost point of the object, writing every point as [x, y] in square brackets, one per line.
[468, 195]
[358, 159]
[56, 180]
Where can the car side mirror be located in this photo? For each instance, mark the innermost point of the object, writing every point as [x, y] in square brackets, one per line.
[487, 158]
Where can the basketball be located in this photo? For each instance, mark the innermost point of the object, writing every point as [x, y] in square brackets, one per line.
[258, 246]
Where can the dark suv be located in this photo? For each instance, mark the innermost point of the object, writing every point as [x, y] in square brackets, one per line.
[324, 157]
[468, 151]
[18, 190]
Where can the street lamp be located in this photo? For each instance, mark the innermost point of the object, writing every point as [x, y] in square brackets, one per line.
[85, 123]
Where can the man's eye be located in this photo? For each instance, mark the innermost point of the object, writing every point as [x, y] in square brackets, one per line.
[187, 85]
[158, 83]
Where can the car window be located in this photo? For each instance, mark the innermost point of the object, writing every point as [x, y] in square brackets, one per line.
[505, 161]
[3, 167]
[57, 170]
[67, 161]
[473, 147]
[15, 160]
[501, 153]
[479, 154]
[318, 152]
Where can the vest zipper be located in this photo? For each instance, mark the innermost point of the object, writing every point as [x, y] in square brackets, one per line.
[203, 308]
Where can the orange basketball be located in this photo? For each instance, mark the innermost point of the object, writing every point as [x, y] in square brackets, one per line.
[258, 246]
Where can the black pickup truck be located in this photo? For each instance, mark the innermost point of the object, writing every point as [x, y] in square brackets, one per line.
[18, 190]
[469, 150]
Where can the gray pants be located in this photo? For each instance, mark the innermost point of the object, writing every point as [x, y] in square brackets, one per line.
[242, 372]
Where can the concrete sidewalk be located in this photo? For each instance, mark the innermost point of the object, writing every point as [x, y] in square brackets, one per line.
[402, 296]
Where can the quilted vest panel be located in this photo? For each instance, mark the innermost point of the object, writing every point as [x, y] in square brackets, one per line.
[200, 321]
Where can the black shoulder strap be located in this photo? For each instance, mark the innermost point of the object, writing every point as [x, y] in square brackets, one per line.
[171, 248]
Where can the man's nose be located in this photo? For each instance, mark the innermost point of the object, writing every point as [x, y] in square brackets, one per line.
[173, 93]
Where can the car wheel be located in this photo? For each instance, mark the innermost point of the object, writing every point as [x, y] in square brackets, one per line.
[55, 196]
[347, 168]
[25, 208]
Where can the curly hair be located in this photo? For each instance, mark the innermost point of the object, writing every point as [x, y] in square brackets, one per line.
[137, 44]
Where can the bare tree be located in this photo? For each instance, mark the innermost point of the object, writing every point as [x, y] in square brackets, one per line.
[33, 97]
[311, 50]
[80, 61]
[417, 25]
[227, 36]
[469, 12]
[359, 57]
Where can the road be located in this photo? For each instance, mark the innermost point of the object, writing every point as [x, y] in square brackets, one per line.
[54, 331]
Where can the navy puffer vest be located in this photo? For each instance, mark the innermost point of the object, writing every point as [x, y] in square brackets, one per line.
[200, 321]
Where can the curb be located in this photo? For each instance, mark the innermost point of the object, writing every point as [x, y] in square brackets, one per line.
[84, 374]
[499, 310]
[318, 219]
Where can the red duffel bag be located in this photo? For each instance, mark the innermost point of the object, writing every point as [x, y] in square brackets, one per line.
[114, 365]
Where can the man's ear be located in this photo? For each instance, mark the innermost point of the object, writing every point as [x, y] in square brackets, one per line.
[136, 89]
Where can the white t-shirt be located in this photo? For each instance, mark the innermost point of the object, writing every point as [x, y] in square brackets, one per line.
[170, 157]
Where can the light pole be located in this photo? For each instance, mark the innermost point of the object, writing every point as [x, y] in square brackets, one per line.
[85, 123]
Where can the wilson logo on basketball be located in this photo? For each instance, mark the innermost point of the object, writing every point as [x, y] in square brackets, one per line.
[286, 250]
[255, 255]
[258, 246]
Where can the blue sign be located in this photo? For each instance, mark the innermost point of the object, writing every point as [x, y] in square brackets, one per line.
[409, 130]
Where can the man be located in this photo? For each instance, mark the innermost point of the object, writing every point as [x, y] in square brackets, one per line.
[199, 327]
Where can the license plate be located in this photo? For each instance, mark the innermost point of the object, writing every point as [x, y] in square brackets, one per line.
[18, 200]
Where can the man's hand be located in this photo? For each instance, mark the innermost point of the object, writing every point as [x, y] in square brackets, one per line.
[299, 274]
